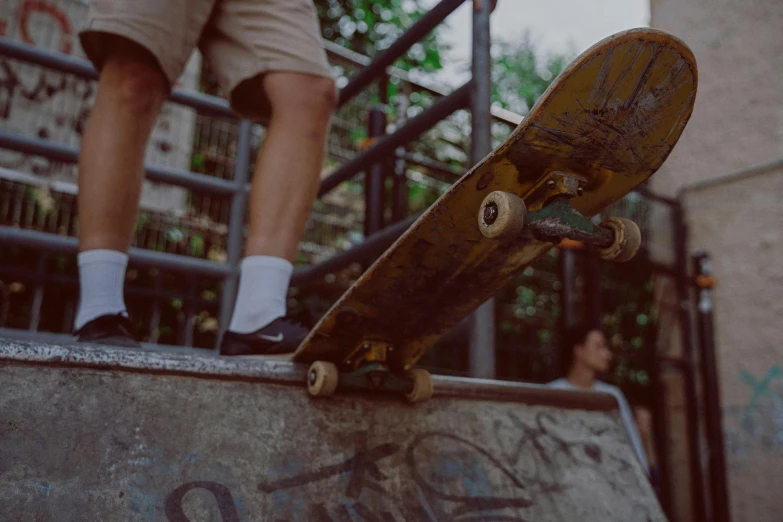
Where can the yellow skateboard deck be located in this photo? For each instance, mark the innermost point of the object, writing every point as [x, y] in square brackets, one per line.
[604, 126]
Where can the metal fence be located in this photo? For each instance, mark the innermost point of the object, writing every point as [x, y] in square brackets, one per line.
[190, 262]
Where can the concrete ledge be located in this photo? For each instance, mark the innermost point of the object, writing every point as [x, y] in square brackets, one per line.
[98, 433]
[210, 366]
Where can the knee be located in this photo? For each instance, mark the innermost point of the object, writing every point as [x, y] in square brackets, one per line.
[135, 83]
[324, 95]
[316, 96]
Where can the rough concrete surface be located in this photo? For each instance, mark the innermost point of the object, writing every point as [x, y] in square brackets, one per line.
[123, 443]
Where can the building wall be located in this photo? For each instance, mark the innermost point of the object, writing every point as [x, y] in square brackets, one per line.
[728, 171]
[37, 102]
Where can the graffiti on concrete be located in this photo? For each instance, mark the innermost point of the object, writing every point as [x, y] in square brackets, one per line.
[225, 502]
[432, 476]
[758, 425]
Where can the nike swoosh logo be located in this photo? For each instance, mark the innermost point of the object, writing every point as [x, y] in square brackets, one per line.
[276, 339]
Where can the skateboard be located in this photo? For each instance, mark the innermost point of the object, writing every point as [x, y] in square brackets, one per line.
[604, 126]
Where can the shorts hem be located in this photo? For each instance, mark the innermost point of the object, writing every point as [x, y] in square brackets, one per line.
[98, 27]
[249, 110]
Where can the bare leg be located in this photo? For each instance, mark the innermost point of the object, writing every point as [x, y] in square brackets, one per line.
[130, 94]
[289, 163]
[131, 91]
[284, 186]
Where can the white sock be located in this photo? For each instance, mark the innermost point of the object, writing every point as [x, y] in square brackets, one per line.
[263, 288]
[101, 280]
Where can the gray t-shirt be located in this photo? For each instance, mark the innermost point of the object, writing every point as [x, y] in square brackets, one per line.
[625, 413]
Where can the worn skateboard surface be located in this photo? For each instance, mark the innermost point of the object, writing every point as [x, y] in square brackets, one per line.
[610, 119]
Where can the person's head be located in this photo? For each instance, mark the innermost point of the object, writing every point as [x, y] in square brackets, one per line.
[586, 346]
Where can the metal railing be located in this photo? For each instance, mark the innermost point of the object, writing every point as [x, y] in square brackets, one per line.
[474, 95]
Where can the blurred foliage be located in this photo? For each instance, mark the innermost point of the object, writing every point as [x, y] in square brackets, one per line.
[521, 73]
[369, 27]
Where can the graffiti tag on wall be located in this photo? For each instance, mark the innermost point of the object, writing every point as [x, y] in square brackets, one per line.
[758, 425]
[41, 103]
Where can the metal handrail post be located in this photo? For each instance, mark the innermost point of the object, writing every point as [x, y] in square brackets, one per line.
[716, 456]
[374, 178]
[38, 295]
[236, 226]
[699, 508]
[399, 187]
[482, 335]
[569, 295]
[399, 203]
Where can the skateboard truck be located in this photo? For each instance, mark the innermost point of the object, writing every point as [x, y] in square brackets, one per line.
[367, 369]
[504, 215]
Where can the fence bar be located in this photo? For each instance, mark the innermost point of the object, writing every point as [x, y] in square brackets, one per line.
[399, 187]
[190, 312]
[408, 132]
[342, 54]
[203, 103]
[364, 253]
[236, 223]
[399, 168]
[434, 166]
[716, 459]
[35, 312]
[569, 297]
[594, 308]
[156, 314]
[70, 245]
[482, 335]
[691, 394]
[416, 32]
[157, 293]
[374, 178]
[67, 154]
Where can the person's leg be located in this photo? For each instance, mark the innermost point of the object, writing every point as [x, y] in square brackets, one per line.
[289, 162]
[269, 57]
[284, 187]
[140, 49]
[131, 91]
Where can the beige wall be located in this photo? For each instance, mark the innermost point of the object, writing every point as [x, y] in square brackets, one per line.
[728, 172]
[738, 118]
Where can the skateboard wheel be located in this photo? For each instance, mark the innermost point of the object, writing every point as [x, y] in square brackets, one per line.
[627, 239]
[501, 215]
[422, 386]
[322, 378]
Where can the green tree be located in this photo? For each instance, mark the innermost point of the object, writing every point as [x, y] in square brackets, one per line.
[521, 73]
[368, 27]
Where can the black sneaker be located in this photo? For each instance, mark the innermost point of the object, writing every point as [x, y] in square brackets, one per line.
[281, 336]
[112, 330]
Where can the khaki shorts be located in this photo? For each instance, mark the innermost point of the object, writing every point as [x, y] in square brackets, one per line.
[240, 40]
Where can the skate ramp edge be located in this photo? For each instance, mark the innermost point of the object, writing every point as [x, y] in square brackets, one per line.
[100, 433]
